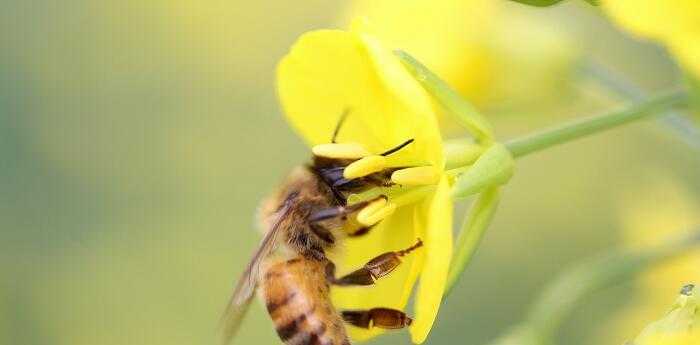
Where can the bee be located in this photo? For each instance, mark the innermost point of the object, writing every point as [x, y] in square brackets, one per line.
[303, 220]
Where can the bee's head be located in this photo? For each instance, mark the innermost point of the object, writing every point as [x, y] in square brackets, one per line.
[349, 168]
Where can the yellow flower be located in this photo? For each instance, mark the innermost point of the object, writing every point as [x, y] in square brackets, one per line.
[328, 72]
[489, 51]
[691, 338]
[648, 216]
[675, 23]
[680, 326]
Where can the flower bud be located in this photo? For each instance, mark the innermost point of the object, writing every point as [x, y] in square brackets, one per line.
[493, 168]
[680, 326]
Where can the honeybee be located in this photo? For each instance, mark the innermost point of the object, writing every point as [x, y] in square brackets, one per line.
[305, 219]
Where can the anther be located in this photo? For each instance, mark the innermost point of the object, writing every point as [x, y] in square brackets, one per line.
[340, 151]
[416, 176]
[365, 166]
[374, 213]
[372, 207]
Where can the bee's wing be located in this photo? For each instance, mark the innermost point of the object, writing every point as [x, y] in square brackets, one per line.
[243, 293]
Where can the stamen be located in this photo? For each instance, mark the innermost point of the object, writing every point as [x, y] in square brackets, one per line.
[373, 215]
[340, 151]
[373, 207]
[364, 167]
[416, 176]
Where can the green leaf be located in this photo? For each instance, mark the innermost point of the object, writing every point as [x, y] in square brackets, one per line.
[493, 168]
[475, 224]
[465, 113]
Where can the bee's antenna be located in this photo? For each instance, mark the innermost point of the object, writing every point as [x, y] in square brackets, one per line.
[340, 124]
[390, 151]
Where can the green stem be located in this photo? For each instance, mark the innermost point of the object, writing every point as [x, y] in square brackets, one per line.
[570, 131]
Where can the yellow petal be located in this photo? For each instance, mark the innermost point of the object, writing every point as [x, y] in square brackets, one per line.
[436, 31]
[340, 151]
[687, 50]
[656, 19]
[438, 249]
[329, 71]
[396, 232]
[675, 23]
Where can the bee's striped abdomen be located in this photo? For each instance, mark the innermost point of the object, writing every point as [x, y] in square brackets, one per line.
[296, 295]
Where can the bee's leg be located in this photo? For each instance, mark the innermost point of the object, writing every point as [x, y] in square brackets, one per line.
[374, 269]
[307, 246]
[361, 231]
[339, 211]
[322, 233]
[377, 317]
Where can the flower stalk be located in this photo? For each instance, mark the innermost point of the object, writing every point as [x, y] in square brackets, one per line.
[581, 128]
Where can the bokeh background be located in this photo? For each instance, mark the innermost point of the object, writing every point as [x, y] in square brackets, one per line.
[137, 137]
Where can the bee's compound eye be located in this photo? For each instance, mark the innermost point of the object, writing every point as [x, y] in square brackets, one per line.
[341, 151]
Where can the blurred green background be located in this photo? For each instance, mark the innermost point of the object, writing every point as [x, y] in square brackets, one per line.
[137, 137]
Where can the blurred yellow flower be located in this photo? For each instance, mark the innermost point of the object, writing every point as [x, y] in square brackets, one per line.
[493, 52]
[328, 72]
[678, 327]
[675, 23]
[648, 216]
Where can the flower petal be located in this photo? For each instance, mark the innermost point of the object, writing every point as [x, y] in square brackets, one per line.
[396, 232]
[438, 249]
[330, 71]
[675, 23]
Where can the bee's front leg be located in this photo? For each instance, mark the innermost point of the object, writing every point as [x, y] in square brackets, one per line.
[372, 270]
[325, 218]
[339, 212]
